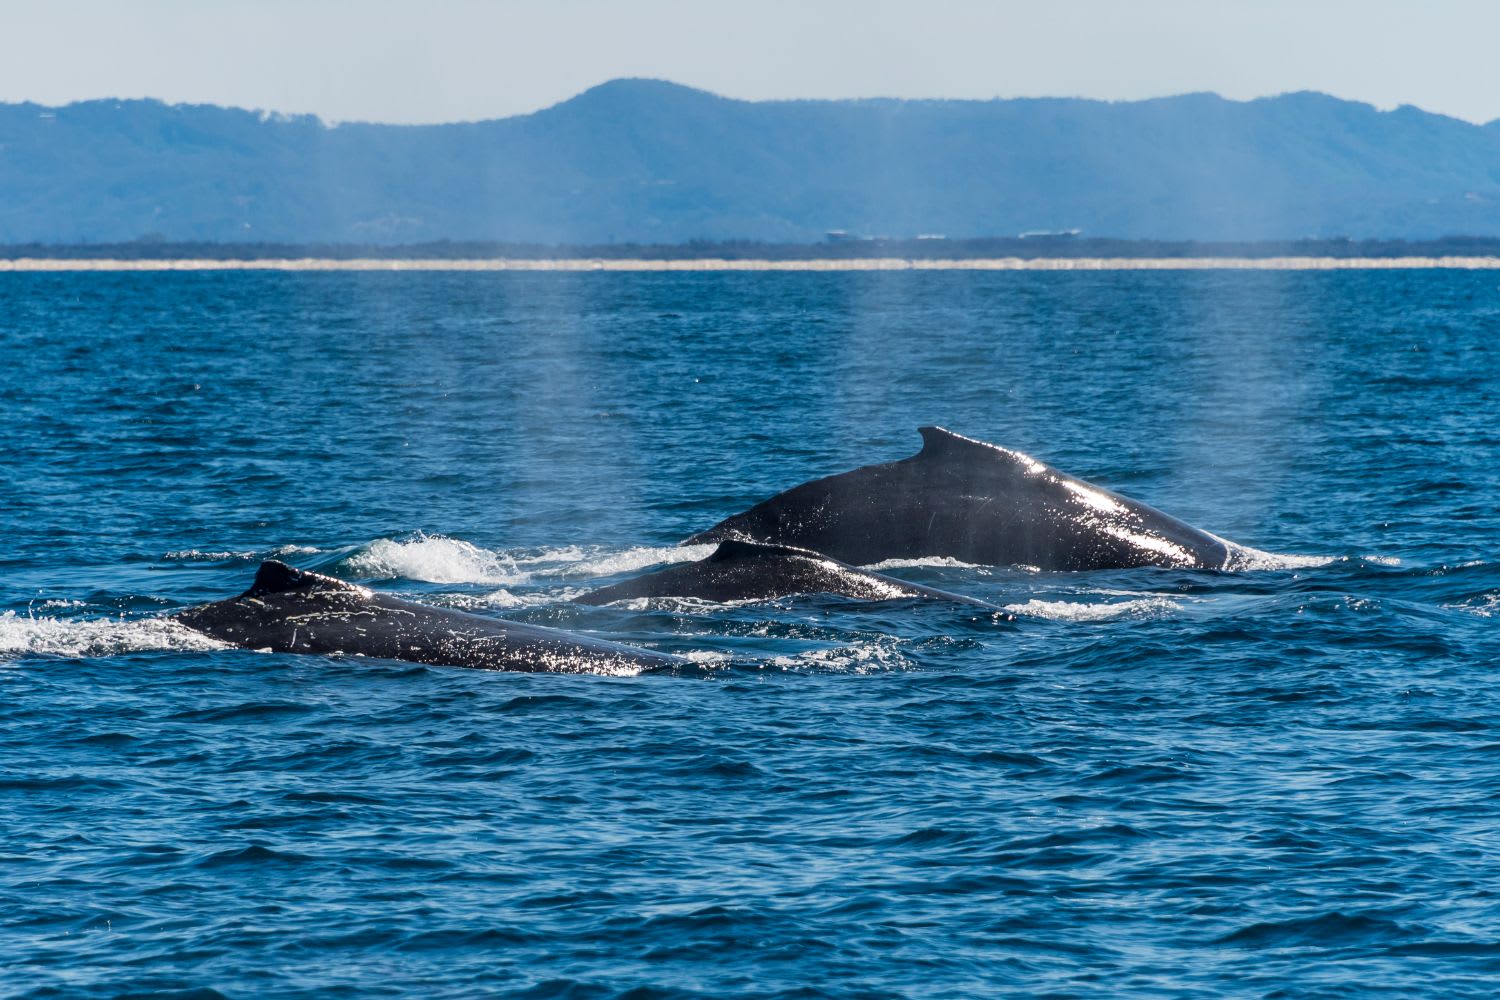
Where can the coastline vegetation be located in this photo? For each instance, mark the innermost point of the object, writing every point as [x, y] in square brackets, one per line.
[1026, 248]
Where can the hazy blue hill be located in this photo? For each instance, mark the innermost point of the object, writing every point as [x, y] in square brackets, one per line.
[645, 161]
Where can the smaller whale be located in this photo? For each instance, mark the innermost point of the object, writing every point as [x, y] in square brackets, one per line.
[289, 610]
[739, 571]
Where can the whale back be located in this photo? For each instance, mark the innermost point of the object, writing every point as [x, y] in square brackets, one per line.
[297, 611]
[975, 502]
[741, 570]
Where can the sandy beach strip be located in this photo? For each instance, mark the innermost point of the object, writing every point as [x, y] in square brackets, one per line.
[45, 264]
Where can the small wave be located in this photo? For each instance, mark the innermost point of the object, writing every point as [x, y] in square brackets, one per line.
[504, 598]
[1322, 929]
[241, 555]
[707, 658]
[79, 637]
[595, 561]
[1485, 606]
[638, 558]
[199, 555]
[434, 559]
[1075, 611]
[440, 559]
[865, 657]
[1242, 557]
[1245, 558]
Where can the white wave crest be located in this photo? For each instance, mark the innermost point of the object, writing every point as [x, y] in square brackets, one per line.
[1243, 557]
[1076, 611]
[77, 637]
[439, 559]
[434, 559]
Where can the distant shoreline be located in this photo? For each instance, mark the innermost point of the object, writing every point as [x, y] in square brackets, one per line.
[1042, 246]
[588, 264]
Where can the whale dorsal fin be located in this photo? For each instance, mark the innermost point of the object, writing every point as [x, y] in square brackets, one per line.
[940, 441]
[941, 445]
[276, 577]
[740, 548]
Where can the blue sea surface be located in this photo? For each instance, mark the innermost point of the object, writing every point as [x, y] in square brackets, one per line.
[1278, 782]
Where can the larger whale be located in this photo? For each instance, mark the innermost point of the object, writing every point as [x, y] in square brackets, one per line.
[290, 610]
[978, 503]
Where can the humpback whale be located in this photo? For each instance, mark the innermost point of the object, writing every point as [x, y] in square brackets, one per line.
[295, 611]
[976, 502]
[739, 570]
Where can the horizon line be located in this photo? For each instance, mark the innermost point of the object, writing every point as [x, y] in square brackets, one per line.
[707, 264]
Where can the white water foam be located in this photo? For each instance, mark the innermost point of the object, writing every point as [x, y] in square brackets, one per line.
[504, 598]
[1485, 606]
[1243, 557]
[940, 562]
[248, 555]
[439, 559]
[1077, 611]
[864, 657]
[707, 658]
[434, 559]
[684, 605]
[76, 637]
[605, 563]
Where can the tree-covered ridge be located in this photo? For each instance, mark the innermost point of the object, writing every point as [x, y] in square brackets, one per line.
[651, 162]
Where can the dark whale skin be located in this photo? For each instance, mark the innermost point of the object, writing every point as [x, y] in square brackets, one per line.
[288, 610]
[978, 503]
[738, 571]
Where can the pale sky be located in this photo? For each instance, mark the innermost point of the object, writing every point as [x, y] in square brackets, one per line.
[451, 60]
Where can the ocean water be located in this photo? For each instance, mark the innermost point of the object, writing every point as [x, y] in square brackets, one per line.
[1280, 782]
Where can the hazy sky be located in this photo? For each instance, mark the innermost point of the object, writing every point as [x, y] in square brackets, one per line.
[445, 60]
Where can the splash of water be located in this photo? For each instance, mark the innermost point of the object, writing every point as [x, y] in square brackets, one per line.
[440, 559]
[434, 559]
[82, 637]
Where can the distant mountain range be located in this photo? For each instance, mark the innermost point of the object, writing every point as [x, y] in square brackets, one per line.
[649, 161]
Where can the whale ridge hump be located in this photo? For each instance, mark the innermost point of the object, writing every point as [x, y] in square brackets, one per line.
[740, 548]
[276, 577]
